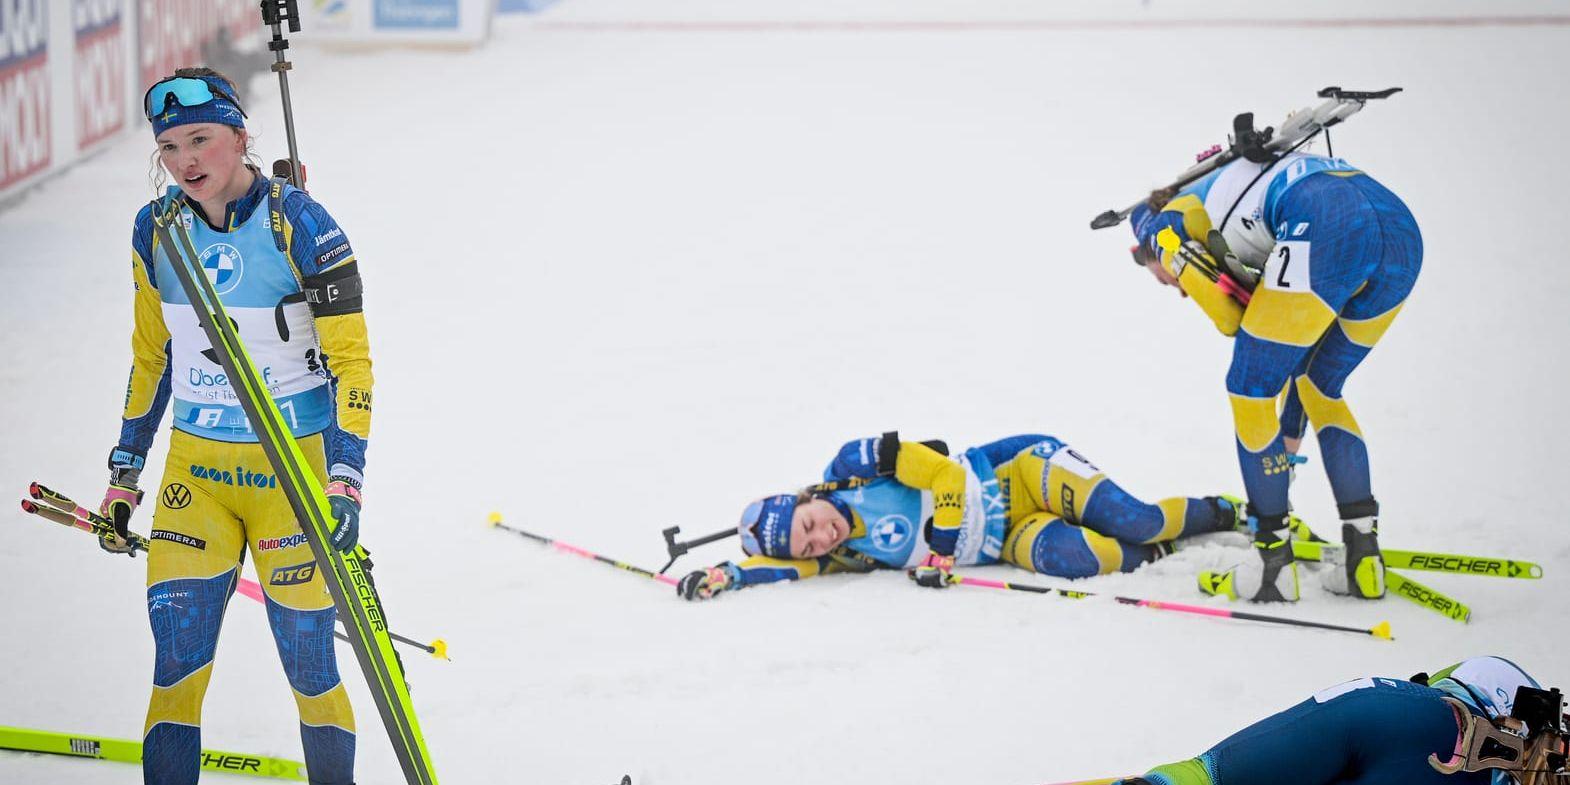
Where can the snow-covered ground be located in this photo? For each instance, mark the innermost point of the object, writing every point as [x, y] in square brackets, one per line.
[624, 279]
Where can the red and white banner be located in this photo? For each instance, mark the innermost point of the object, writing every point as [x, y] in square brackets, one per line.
[171, 33]
[102, 37]
[25, 135]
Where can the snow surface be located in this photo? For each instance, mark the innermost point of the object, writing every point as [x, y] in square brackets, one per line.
[621, 280]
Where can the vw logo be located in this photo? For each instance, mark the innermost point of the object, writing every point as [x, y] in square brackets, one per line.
[176, 496]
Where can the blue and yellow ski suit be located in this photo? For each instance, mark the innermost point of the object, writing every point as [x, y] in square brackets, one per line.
[1030, 500]
[1371, 731]
[289, 280]
[1339, 254]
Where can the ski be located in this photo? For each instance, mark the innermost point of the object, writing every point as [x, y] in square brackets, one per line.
[1459, 564]
[347, 575]
[81, 745]
[1402, 586]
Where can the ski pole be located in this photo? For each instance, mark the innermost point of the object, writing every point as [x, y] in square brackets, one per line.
[436, 648]
[676, 549]
[1380, 630]
[63, 510]
[496, 522]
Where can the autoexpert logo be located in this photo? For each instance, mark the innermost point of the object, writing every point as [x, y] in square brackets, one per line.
[224, 265]
[280, 543]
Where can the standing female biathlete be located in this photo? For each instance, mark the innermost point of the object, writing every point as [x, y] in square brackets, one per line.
[1029, 500]
[1339, 254]
[289, 280]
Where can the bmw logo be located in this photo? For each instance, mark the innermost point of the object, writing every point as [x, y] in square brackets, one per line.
[224, 266]
[891, 531]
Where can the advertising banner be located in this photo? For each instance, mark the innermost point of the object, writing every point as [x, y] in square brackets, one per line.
[25, 90]
[100, 74]
[397, 22]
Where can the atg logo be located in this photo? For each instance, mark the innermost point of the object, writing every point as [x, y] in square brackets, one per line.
[224, 266]
[290, 576]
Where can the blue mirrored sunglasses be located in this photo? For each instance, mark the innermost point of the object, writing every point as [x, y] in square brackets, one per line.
[185, 91]
[749, 519]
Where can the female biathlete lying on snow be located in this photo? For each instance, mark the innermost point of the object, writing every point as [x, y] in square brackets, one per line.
[1469, 724]
[1028, 500]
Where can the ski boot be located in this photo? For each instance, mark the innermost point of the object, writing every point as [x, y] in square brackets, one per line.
[1364, 573]
[1231, 509]
[1273, 578]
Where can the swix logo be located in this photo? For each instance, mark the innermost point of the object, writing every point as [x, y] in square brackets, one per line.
[280, 543]
[84, 747]
[290, 576]
[239, 477]
[24, 89]
[323, 239]
[221, 760]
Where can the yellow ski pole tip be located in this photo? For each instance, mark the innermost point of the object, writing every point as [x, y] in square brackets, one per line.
[439, 650]
[1381, 630]
[494, 519]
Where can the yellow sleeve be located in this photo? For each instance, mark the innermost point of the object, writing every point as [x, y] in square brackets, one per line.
[149, 337]
[348, 348]
[1193, 224]
[920, 466]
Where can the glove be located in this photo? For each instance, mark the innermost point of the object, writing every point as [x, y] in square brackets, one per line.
[933, 571]
[704, 584]
[120, 500]
[343, 499]
[866, 458]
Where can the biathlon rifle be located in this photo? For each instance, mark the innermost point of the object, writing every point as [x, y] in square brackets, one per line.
[1265, 145]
